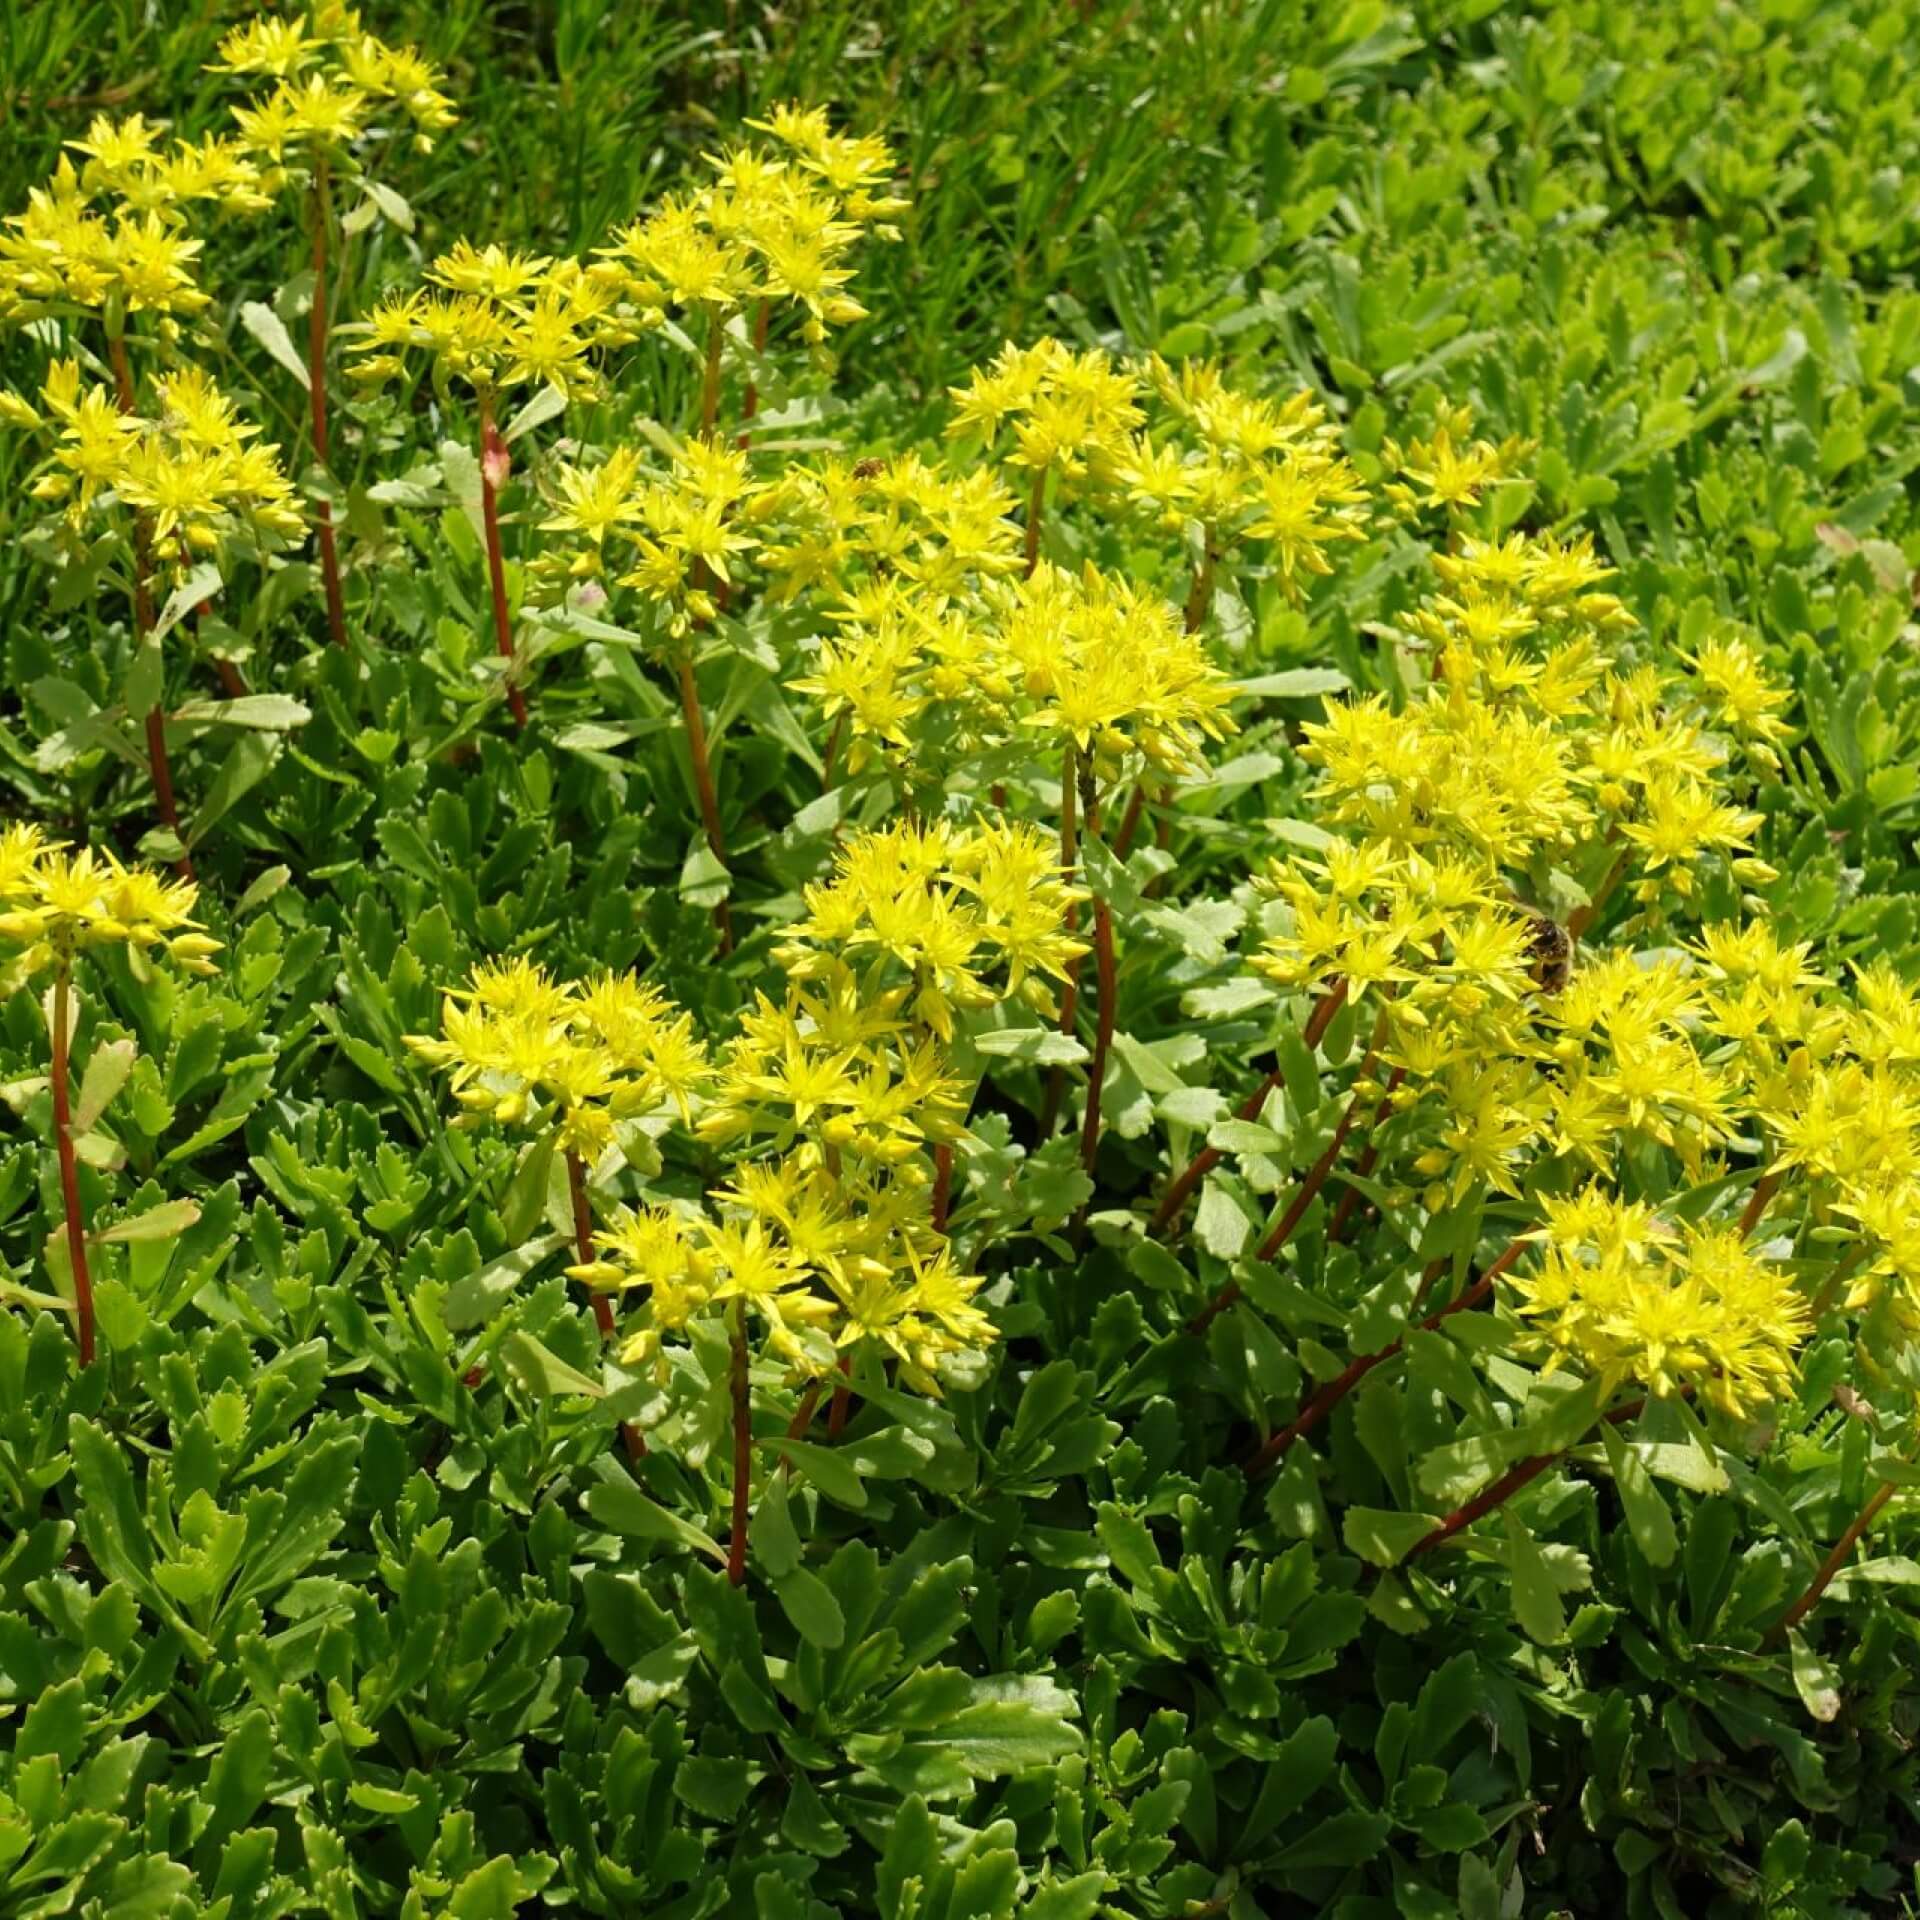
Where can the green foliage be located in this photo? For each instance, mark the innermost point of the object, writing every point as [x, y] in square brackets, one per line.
[297, 1619]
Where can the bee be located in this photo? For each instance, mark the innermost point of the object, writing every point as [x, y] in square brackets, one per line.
[1552, 953]
[869, 469]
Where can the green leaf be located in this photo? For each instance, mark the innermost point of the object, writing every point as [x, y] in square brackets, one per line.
[1076, 1899]
[248, 762]
[1648, 1515]
[264, 712]
[538, 1370]
[167, 1221]
[621, 1506]
[107, 1069]
[1382, 1536]
[1036, 1046]
[1816, 1680]
[270, 330]
[1536, 1595]
[807, 1601]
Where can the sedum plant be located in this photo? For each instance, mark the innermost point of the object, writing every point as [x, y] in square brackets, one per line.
[335, 88]
[1246, 1211]
[57, 907]
[185, 485]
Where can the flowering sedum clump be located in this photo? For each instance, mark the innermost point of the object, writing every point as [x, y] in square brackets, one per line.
[193, 472]
[1132, 1130]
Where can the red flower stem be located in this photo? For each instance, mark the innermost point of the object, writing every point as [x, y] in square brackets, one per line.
[750, 405]
[1207, 1158]
[1329, 1396]
[842, 1400]
[1520, 1474]
[69, 1168]
[1036, 508]
[710, 372]
[1199, 599]
[583, 1238]
[1758, 1201]
[1200, 594]
[631, 1436]
[156, 719]
[803, 1413]
[1304, 1196]
[829, 761]
[942, 1185]
[1104, 1010]
[317, 400]
[1831, 1565]
[493, 468]
[1070, 992]
[1583, 917]
[1370, 1158]
[703, 783]
[742, 1448]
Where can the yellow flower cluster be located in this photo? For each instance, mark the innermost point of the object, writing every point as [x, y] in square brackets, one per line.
[830, 1100]
[1531, 743]
[889, 535]
[495, 320]
[1240, 467]
[331, 78]
[1531, 756]
[64, 255]
[669, 536]
[1449, 469]
[823, 1261]
[773, 226]
[56, 902]
[1073, 413]
[194, 470]
[1628, 1296]
[972, 915]
[1246, 468]
[523, 1049]
[1836, 1088]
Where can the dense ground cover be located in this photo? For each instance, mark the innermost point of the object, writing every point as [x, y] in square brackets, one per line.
[1246, 839]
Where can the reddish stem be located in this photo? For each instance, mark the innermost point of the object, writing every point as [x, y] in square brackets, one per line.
[1520, 1474]
[495, 465]
[69, 1169]
[156, 721]
[583, 1238]
[317, 402]
[842, 1400]
[1516, 1476]
[1370, 1158]
[750, 404]
[631, 1436]
[703, 784]
[1583, 917]
[942, 1185]
[1304, 1196]
[1036, 507]
[1130, 821]
[1831, 1565]
[1329, 1396]
[1070, 990]
[1102, 1036]
[1758, 1201]
[1208, 1158]
[804, 1412]
[1200, 594]
[742, 1448]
